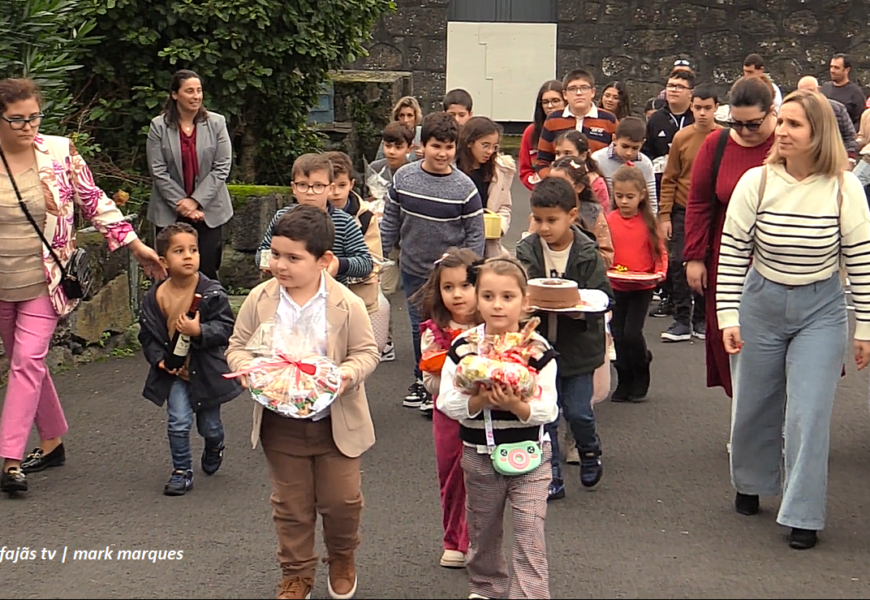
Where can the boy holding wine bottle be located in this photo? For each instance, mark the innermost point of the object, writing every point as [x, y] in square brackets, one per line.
[184, 328]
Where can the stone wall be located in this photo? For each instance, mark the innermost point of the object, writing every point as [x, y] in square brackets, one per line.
[638, 40]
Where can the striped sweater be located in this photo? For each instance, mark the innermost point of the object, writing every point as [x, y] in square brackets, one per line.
[354, 260]
[427, 213]
[598, 126]
[507, 427]
[795, 236]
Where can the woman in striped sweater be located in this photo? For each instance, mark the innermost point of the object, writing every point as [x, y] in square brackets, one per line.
[782, 310]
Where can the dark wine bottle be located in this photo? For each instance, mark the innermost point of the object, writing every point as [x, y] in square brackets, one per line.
[180, 345]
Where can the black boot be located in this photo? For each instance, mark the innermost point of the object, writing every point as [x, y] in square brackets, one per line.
[624, 382]
[640, 385]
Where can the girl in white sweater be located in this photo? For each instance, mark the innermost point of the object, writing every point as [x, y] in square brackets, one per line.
[783, 317]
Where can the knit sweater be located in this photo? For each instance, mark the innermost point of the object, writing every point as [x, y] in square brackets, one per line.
[354, 260]
[794, 235]
[428, 213]
[598, 126]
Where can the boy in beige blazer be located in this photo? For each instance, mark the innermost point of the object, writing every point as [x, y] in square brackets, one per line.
[314, 463]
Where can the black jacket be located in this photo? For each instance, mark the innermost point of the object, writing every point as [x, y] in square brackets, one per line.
[579, 342]
[208, 363]
[661, 129]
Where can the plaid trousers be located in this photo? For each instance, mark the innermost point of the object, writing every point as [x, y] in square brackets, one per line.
[486, 494]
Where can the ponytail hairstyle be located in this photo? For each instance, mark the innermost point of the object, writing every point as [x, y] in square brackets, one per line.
[628, 173]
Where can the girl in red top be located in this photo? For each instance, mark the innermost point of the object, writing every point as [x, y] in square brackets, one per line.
[550, 99]
[449, 303]
[639, 248]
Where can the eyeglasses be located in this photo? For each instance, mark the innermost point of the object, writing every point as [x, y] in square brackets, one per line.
[751, 126]
[682, 63]
[18, 123]
[579, 89]
[304, 188]
[551, 102]
[676, 87]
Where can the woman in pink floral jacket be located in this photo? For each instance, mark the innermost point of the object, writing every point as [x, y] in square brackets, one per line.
[52, 179]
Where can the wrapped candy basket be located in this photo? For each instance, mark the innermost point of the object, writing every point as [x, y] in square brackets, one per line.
[500, 359]
[289, 376]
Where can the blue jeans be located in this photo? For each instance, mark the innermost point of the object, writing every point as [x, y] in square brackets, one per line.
[180, 422]
[794, 340]
[410, 285]
[575, 400]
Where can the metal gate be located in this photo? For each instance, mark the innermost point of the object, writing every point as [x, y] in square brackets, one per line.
[503, 11]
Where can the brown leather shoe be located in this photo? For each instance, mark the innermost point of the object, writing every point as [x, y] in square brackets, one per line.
[342, 577]
[294, 588]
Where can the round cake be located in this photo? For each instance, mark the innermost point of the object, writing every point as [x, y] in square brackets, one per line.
[553, 293]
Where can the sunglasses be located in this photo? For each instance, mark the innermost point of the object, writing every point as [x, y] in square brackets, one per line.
[750, 126]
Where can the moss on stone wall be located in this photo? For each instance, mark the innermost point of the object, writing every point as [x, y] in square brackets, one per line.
[240, 193]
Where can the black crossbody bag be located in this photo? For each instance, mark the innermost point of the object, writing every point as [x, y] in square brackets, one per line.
[76, 275]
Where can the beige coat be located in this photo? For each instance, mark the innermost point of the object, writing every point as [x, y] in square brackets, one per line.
[350, 344]
[498, 200]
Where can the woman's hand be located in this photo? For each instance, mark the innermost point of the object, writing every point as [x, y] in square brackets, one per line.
[862, 353]
[732, 342]
[149, 260]
[696, 275]
[187, 207]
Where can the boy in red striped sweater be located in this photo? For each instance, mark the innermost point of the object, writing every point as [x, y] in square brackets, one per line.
[595, 123]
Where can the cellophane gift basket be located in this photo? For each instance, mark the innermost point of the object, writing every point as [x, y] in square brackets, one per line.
[501, 359]
[290, 374]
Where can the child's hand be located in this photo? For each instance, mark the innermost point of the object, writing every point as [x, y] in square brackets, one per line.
[190, 327]
[504, 397]
[162, 365]
[345, 381]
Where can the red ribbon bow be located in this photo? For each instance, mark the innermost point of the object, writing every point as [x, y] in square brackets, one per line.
[283, 361]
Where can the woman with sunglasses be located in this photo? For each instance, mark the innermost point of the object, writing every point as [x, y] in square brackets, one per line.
[747, 143]
[550, 99]
[45, 177]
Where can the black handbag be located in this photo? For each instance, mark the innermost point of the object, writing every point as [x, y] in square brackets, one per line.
[76, 275]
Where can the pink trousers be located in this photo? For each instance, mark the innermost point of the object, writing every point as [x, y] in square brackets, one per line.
[26, 329]
[448, 454]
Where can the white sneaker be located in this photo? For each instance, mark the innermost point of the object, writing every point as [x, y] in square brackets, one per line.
[470, 596]
[454, 559]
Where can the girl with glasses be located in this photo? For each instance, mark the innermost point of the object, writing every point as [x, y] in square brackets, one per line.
[550, 100]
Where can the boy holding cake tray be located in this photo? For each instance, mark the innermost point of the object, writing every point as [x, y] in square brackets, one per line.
[559, 250]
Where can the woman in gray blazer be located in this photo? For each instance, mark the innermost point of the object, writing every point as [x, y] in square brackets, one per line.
[190, 156]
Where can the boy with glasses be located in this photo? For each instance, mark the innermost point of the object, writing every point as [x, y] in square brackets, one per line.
[313, 183]
[581, 114]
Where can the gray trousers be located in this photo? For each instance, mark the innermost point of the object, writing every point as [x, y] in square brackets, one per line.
[787, 372]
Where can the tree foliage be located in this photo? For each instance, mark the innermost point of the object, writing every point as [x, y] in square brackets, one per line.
[262, 63]
[45, 40]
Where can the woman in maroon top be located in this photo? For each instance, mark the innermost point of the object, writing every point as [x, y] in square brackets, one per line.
[750, 137]
[190, 156]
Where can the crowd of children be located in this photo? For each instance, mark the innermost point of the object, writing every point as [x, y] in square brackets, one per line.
[434, 232]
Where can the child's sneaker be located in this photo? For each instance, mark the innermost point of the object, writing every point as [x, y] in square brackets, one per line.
[212, 459]
[416, 394]
[179, 484]
[389, 353]
[591, 469]
[427, 406]
[453, 559]
[556, 490]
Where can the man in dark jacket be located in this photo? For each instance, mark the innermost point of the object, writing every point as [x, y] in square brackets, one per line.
[197, 388]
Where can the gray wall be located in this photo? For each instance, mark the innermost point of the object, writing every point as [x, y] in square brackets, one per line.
[638, 40]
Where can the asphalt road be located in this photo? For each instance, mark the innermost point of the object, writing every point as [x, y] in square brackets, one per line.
[660, 524]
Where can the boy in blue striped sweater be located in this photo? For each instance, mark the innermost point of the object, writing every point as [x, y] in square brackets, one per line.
[430, 207]
[312, 184]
